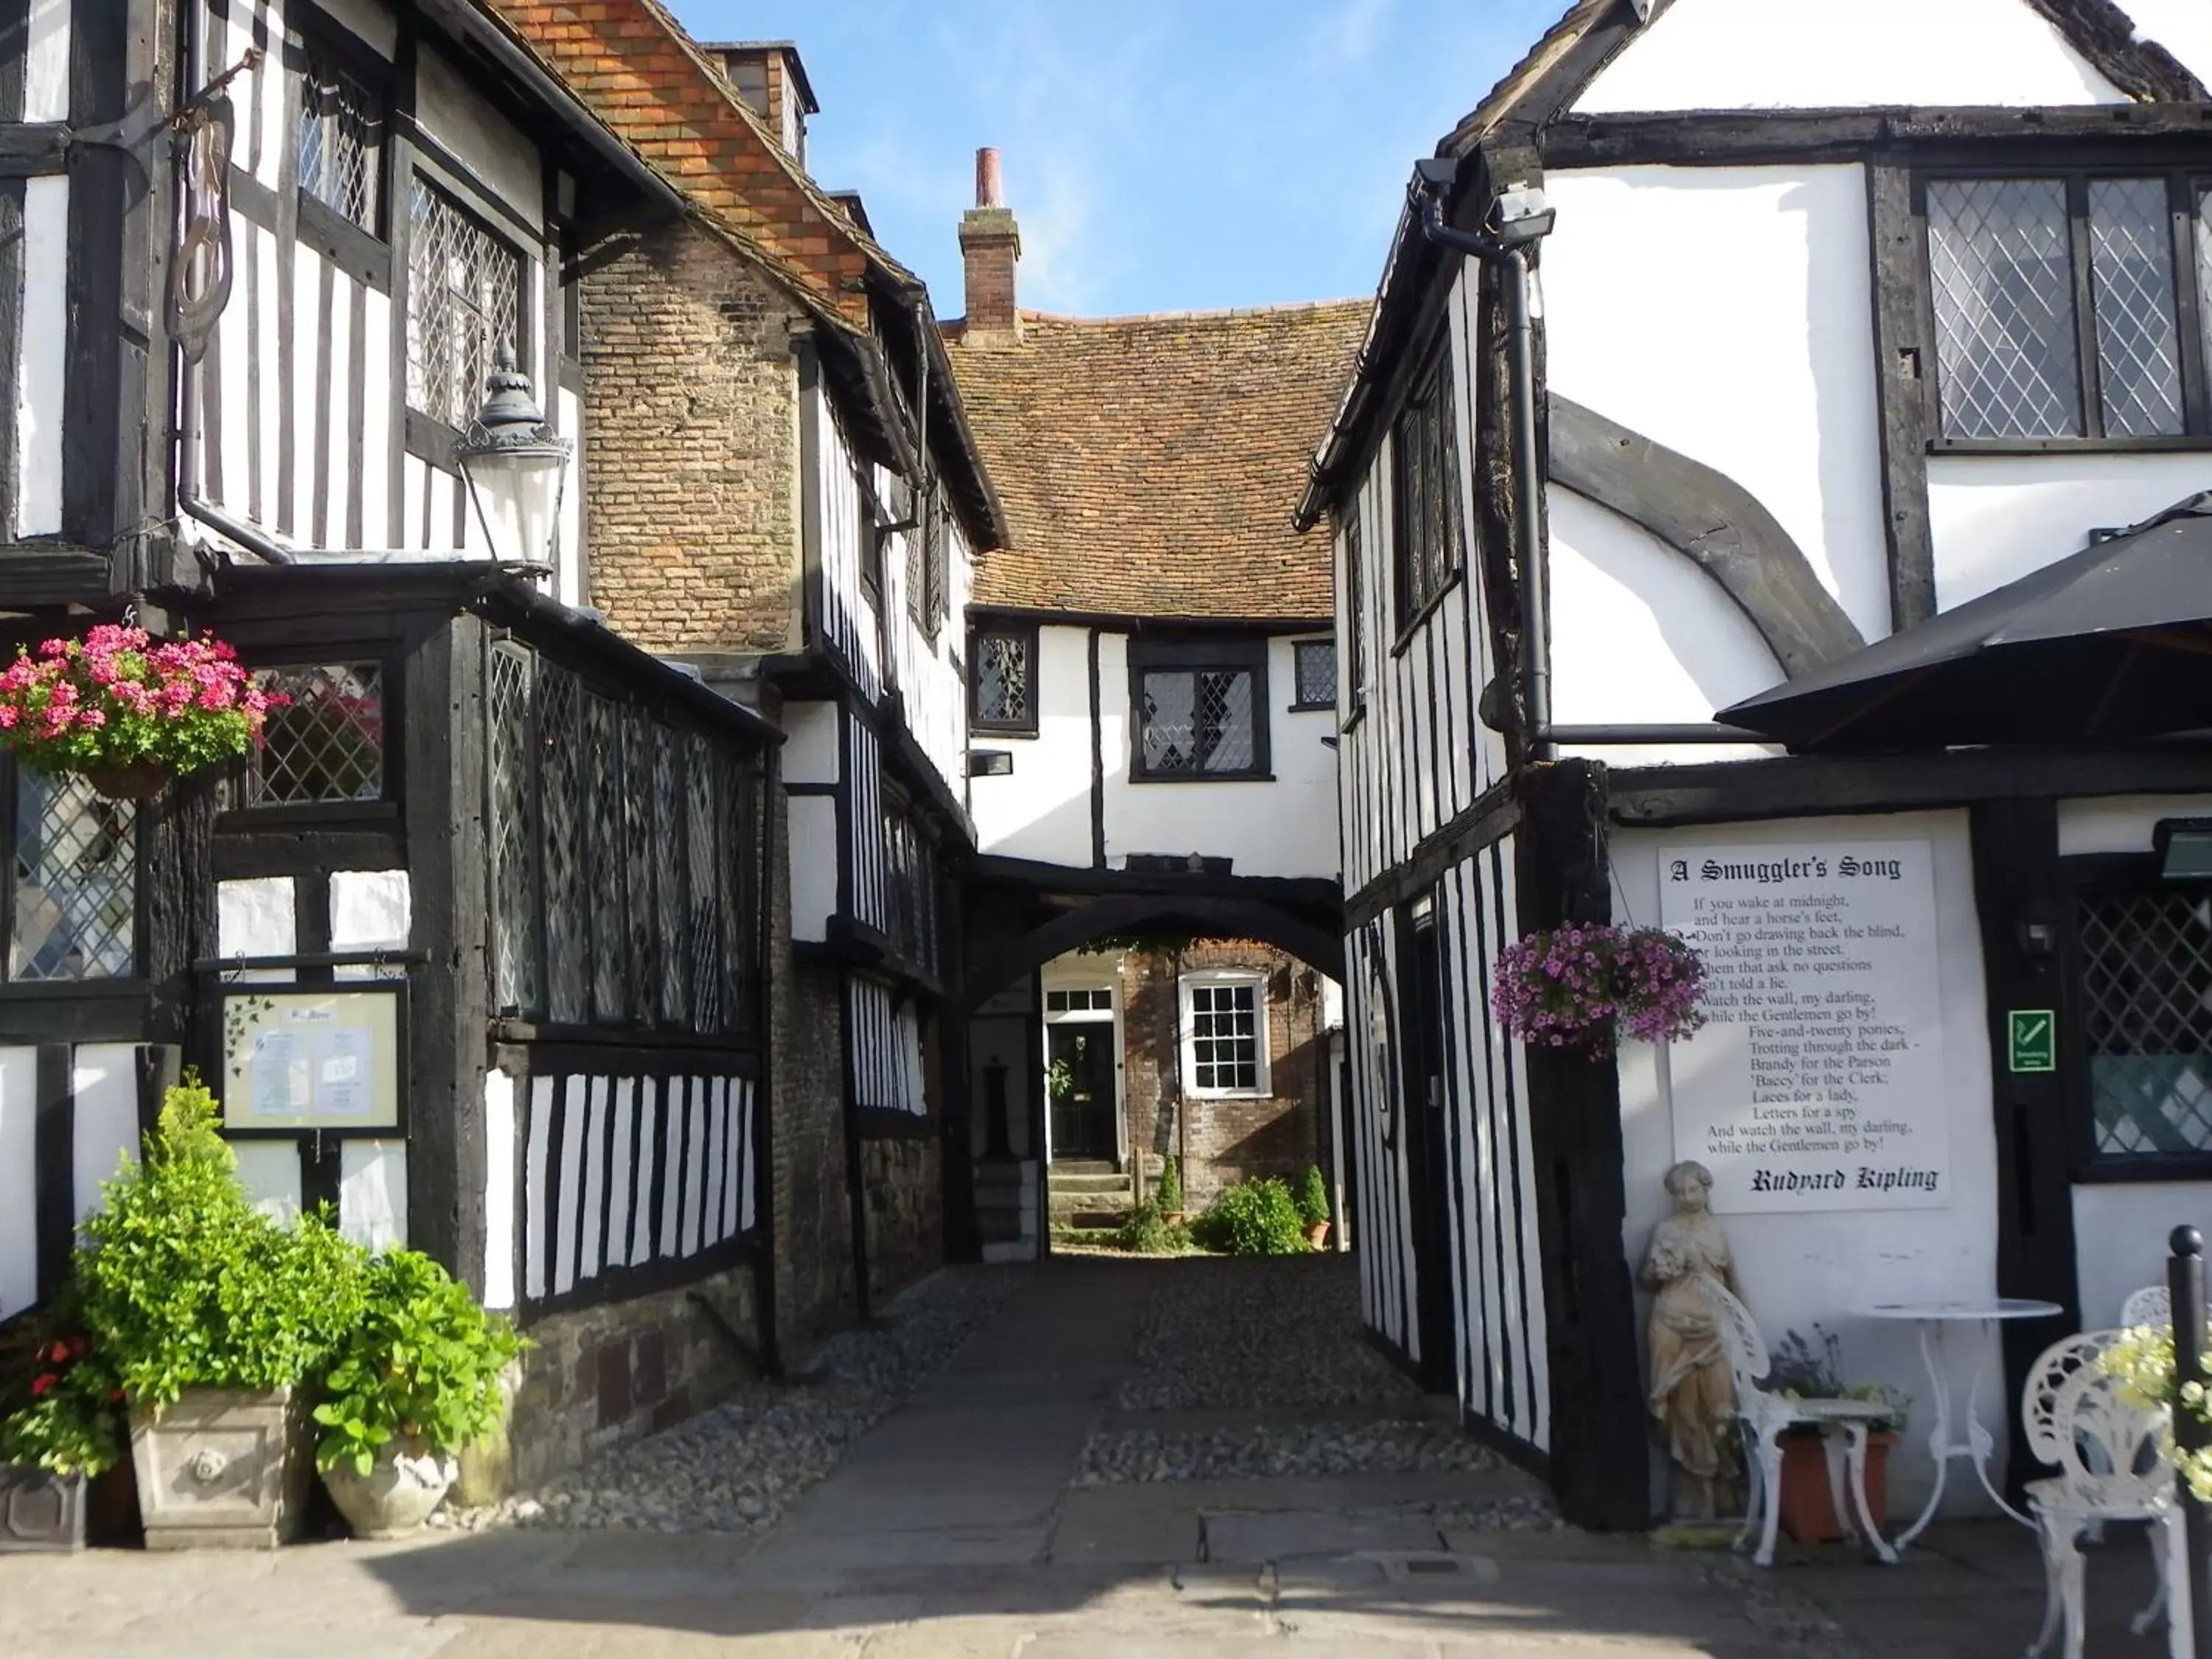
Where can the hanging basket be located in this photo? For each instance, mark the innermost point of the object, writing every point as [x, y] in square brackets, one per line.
[136, 780]
[1586, 985]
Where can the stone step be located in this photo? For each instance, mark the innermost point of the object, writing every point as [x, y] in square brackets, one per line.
[1082, 1166]
[1089, 1204]
[1090, 1183]
[1088, 1221]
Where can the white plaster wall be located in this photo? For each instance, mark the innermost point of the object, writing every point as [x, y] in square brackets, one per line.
[2120, 1228]
[41, 363]
[1826, 1266]
[1284, 828]
[1757, 363]
[1041, 810]
[813, 865]
[19, 1178]
[810, 747]
[1807, 54]
[499, 159]
[372, 1193]
[103, 1136]
[1639, 634]
[1993, 519]
[270, 1170]
[370, 910]
[501, 1241]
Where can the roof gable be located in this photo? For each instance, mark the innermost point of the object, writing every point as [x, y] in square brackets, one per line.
[1827, 54]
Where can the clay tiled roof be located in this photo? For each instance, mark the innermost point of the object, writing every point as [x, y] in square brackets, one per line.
[1148, 465]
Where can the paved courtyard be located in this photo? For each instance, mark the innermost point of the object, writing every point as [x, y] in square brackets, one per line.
[1126, 1459]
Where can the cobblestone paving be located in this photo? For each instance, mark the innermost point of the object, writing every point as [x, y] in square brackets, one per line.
[740, 1466]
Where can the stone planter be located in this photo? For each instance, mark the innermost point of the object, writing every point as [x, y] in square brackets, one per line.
[222, 1468]
[40, 1513]
[1317, 1234]
[1808, 1511]
[397, 1495]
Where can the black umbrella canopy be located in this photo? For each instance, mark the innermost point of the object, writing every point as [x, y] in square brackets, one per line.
[2112, 643]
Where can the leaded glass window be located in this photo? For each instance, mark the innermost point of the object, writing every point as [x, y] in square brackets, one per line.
[1002, 667]
[2147, 1007]
[1424, 482]
[464, 301]
[2061, 308]
[324, 741]
[1226, 1044]
[74, 905]
[340, 143]
[513, 832]
[1355, 609]
[1315, 661]
[1198, 722]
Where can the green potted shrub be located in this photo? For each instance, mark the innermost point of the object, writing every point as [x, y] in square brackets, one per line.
[416, 1380]
[1257, 1217]
[58, 1428]
[1169, 1199]
[211, 1317]
[1313, 1207]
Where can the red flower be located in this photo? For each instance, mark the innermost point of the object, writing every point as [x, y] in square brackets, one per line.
[115, 1396]
[40, 1385]
[59, 1353]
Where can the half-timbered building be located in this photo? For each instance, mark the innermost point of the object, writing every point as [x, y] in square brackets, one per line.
[1848, 315]
[507, 870]
[782, 492]
[1152, 668]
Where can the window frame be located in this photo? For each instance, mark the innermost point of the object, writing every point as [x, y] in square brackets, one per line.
[309, 31]
[50, 987]
[439, 447]
[1352, 672]
[1196, 978]
[2184, 183]
[1220, 655]
[1430, 401]
[2083, 878]
[274, 660]
[1297, 704]
[977, 721]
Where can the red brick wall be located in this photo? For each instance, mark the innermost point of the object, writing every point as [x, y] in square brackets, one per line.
[1226, 1141]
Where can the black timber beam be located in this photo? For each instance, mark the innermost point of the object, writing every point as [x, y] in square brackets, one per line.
[1746, 137]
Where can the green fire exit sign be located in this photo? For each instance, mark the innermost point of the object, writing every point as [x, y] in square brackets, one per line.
[2033, 1040]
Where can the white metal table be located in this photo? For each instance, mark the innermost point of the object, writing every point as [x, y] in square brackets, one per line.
[1935, 1319]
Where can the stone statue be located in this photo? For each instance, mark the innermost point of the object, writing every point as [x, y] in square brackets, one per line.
[1692, 1394]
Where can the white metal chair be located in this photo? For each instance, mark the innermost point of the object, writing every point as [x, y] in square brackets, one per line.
[2106, 1451]
[1765, 1414]
[2151, 1305]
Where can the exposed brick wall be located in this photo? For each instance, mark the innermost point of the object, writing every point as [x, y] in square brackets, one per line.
[1227, 1141]
[691, 466]
[906, 1227]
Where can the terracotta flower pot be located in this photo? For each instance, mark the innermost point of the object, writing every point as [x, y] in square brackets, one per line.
[1317, 1234]
[137, 780]
[1173, 1218]
[1808, 1511]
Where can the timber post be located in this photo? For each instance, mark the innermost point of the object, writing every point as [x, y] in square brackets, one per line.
[2184, 1279]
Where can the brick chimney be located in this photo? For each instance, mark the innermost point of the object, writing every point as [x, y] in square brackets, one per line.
[990, 248]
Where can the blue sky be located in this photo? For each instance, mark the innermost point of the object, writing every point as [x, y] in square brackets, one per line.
[1160, 154]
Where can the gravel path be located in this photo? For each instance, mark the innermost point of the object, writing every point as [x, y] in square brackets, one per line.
[1257, 1332]
[1301, 1451]
[739, 1466]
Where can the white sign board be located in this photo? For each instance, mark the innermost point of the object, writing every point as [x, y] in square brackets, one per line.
[1818, 1084]
[311, 1059]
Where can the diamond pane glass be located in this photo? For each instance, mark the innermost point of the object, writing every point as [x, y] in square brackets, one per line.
[1002, 679]
[669, 871]
[1199, 721]
[76, 870]
[603, 841]
[2146, 988]
[324, 741]
[737, 804]
[1225, 1037]
[341, 144]
[703, 950]
[640, 860]
[462, 303]
[2001, 269]
[1315, 662]
[514, 837]
[2138, 337]
[561, 770]
[2204, 266]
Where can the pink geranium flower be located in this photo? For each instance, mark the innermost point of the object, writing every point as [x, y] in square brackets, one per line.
[115, 696]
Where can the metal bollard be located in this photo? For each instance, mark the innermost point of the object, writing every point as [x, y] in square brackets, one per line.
[2184, 1279]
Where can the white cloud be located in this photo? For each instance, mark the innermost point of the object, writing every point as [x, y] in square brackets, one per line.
[1347, 32]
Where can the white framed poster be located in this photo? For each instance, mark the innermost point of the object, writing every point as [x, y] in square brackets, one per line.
[325, 1060]
[1818, 1084]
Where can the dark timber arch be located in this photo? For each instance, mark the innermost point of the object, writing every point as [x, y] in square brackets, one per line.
[1118, 914]
[1712, 520]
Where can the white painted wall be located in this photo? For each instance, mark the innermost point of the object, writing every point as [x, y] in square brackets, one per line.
[19, 1178]
[500, 159]
[2120, 1228]
[1804, 54]
[1622, 598]
[813, 865]
[1993, 519]
[1827, 1266]
[1041, 810]
[1759, 363]
[40, 362]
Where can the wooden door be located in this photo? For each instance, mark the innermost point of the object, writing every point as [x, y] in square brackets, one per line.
[1082, 1093]
[1428, 1152]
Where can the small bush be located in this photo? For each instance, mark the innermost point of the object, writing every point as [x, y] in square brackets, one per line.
[1170, 1197]
[1259, 1218]
[1148, 1232]
[1313, 1199]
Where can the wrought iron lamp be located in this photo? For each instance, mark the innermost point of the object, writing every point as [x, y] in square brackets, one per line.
[516, 466]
